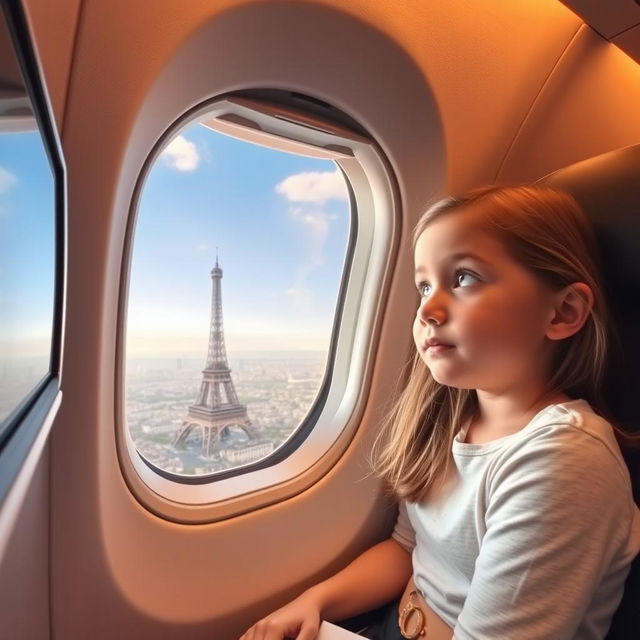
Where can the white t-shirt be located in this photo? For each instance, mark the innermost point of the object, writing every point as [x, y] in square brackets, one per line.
[534, 535]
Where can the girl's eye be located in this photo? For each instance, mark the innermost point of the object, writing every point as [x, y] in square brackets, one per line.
[424, 288]
[466, 279]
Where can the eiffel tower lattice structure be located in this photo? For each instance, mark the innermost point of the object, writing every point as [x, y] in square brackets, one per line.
[217, 406]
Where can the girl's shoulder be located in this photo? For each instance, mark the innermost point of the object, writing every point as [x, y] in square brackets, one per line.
[563, 444]
[570, 439]
[569, 423]
[563, 423]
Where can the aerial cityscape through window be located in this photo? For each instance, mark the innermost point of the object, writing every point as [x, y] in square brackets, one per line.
[237, 260]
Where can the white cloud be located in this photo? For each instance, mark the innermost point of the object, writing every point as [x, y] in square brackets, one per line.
[7, 180]
[316, 222]
[315, 225]
[181, 154]
[300, 296]
[314, 186]
[312, 189]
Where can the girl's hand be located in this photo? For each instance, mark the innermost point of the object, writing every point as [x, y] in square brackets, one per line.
[299, 619]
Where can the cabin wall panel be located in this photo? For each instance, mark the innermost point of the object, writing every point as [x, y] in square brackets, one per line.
[128, 572]
[485, 63]
[24, 567]
[54, 26]
[144, 575]
[588, 107]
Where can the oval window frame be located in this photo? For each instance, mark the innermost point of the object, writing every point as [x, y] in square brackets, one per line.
[315, 128]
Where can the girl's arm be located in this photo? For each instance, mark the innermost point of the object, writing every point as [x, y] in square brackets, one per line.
[374, 578]
[377, 576]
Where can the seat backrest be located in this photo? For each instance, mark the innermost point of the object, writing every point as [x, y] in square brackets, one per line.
[608, 189]
[626, 621]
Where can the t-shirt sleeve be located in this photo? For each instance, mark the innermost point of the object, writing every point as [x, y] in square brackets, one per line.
[403, 532]
[557, 512]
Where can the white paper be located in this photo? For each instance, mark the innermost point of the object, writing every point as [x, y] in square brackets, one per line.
[329, 631]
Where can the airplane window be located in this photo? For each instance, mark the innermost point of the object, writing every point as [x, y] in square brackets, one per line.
[26, 264]
[236, 266]
[32, 214]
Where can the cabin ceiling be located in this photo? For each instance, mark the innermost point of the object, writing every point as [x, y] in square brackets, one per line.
[616, 20]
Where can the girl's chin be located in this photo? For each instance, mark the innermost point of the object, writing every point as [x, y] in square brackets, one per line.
[449, 379]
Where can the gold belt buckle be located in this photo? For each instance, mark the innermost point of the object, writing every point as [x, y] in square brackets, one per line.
[405, 618]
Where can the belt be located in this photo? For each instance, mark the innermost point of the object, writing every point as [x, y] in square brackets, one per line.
[416, 618]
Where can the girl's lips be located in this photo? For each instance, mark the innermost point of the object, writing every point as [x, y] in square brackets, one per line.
[438, 348]
[433, 347]
[433, 342]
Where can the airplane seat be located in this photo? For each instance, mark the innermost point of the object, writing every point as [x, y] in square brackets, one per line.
[608, 189]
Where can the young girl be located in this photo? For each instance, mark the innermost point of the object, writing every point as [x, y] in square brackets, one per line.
[516, 516]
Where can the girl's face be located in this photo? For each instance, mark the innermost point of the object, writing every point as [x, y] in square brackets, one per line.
[482, 317]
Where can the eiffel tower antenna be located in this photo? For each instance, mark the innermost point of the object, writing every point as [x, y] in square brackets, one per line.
[217, 406]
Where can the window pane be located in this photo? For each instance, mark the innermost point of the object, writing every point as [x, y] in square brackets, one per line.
[27, 244]
[237, 261]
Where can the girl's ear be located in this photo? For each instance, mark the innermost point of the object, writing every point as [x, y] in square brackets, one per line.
[571, 310]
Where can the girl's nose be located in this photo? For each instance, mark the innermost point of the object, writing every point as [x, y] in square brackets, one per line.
[432, 312]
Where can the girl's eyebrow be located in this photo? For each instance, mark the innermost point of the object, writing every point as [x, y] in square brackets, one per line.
[474, 256]
[463, 255]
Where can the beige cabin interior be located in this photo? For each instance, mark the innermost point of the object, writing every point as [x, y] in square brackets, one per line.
[457, 94]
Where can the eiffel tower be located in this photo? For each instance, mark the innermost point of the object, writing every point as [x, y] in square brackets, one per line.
[217, 406]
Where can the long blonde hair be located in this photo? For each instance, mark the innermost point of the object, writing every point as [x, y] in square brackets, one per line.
[545, 231]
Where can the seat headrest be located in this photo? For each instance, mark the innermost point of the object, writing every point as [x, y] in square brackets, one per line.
[608, 189]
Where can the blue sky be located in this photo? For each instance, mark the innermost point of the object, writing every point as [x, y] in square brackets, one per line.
[26, 246]
[280, 222]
